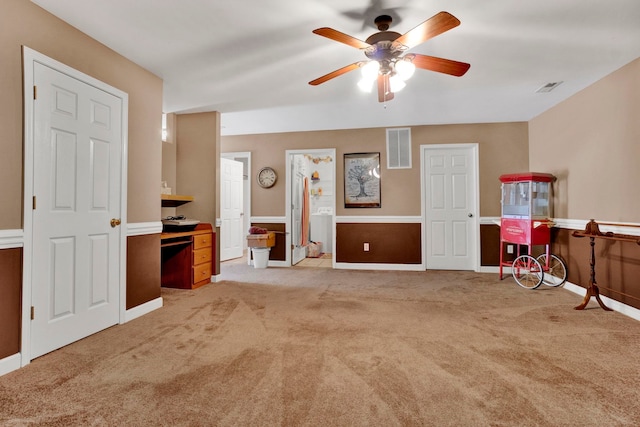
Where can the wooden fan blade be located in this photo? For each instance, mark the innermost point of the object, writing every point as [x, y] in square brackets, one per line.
[335, 73]
[332, 34]
[441, 65]
[384, 93]
[436, 25]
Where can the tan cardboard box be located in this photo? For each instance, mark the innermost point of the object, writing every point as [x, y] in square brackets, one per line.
[261, 240]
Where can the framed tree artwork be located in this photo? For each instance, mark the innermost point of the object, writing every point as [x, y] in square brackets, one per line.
[362, 180]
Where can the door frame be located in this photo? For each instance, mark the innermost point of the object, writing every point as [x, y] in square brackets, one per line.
[289, 219]
[476, 204]
[30, 57]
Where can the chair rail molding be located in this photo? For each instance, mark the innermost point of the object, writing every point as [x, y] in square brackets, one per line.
[269, 219]
[143, 228]
[10, 239]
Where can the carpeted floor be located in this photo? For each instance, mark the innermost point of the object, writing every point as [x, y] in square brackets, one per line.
[317, 347]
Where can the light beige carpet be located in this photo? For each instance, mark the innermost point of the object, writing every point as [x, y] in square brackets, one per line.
[317, 347]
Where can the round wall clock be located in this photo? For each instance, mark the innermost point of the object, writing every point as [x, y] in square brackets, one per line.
[267, 177]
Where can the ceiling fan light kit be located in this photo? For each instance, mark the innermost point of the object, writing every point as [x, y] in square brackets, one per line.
[385, 50]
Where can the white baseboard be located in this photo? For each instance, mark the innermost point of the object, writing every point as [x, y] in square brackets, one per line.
[621, 308]
[275, 263]
[142, 309]
[10, 363]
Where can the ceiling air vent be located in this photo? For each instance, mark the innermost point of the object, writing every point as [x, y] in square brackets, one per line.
[549, 87]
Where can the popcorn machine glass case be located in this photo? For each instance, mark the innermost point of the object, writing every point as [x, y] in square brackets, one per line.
[526, 209]
[526, 204]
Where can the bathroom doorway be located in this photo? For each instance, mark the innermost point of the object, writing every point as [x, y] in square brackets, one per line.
[310, 204]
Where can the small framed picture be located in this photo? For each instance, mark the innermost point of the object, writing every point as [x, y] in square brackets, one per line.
[362, 180]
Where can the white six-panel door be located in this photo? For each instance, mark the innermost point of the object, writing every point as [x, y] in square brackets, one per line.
[231, 194]
[450, 197]
[77, 143]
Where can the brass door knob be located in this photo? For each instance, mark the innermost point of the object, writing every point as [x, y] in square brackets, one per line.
[115, 222]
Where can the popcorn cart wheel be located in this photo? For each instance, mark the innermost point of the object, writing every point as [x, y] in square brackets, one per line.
[526, 207]
[530, 272]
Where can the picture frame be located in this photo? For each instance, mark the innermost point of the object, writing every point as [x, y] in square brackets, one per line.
[362, 180]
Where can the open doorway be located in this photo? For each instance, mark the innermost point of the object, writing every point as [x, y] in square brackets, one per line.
[310, 204]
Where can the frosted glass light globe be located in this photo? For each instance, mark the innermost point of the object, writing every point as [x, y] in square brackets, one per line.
[405, 69]
[370, 70]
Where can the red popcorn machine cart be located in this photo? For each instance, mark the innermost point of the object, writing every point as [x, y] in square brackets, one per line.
[525, 221]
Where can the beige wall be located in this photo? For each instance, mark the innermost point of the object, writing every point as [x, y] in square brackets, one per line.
[23, 23]
[591, 142]
[197, 161]
[503, 149]
[169, 152]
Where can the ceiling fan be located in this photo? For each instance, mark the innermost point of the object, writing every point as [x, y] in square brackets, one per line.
[387, 62]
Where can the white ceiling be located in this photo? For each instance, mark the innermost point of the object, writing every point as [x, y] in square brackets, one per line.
[252, 60]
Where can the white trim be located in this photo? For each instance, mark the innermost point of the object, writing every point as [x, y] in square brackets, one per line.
[372, 266]
[625, 309]
[489, 220]
[276, 263]
[27, 222]
[379, 219]
[10, 363]
[272, 219]
[142, 309]
[271, 263]
[571, 224]
[10, 239]
[215, 278]
[423, 197]
[143, 228]
[30, 57]
[492, 269]
[629, 228]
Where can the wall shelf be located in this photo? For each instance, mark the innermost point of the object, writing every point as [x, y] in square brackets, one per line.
[174, 200]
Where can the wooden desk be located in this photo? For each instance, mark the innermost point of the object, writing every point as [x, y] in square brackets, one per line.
[188, 257]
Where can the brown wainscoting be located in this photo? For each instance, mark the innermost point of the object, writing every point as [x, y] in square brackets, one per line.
[617, 265]
[10, 301]
[490, 246]
[279, 251]
[143, 269]
[389, 243]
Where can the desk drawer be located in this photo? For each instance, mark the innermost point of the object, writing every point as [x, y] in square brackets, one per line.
[201, 255]
[202, 272]
[202, 241]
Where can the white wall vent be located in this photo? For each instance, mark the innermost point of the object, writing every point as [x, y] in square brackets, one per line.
[399, 148]
[548, 87]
